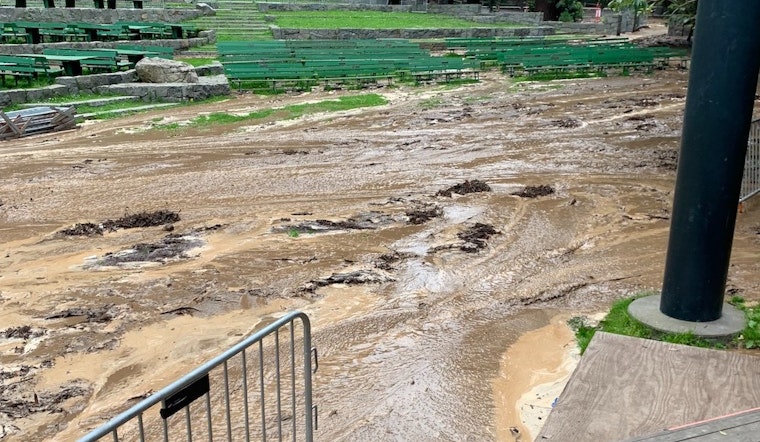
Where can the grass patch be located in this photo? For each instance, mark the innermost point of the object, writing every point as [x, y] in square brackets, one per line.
[198, 61]
[431, 103]
[750, 337]
[129, 107]
[284, 113]
[618, 321]
[549, 76]
[36, 83]
[373, 20]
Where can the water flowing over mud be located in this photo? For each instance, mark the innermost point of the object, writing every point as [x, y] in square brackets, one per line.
[415, 295]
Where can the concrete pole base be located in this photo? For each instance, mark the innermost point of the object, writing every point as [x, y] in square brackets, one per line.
[647, 311]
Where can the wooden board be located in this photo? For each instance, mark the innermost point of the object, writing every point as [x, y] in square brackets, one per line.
[626, 387]
[741, 427]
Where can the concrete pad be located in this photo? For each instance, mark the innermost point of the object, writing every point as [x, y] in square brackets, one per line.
[647, 311]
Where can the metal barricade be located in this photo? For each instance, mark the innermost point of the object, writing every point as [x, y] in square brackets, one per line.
[751, 179]
[260, 389]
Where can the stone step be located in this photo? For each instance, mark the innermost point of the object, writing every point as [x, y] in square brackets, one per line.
[95, 102]
[237, 6]
[130, 109]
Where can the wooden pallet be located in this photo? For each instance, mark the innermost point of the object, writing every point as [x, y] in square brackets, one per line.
[36, 120]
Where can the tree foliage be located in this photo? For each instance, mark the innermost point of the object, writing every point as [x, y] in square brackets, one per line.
[570, 10]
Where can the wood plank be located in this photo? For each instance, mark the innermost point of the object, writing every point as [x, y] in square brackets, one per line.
[10, 124]
[741, 427]
[626, 387]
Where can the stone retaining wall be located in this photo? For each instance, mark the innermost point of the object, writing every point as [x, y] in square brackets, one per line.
[204, 38]
[413, 34]
[609, 26]
[93, 15]
[212, 82]
[678, 26]
[522, 18]
[206, 87]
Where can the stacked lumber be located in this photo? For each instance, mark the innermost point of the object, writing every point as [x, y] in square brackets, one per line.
[36, 120]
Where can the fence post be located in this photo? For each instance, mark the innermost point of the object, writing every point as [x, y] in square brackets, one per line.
[719, 102]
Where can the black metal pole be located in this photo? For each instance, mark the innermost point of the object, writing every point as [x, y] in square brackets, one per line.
[724, 72]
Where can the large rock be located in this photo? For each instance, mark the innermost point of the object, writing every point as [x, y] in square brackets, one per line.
[205, 8]
[160, 70]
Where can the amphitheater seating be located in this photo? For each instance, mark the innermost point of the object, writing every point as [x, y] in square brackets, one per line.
[310, 61]
[535, 55]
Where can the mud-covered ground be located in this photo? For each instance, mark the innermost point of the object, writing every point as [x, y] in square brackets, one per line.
[422, 237]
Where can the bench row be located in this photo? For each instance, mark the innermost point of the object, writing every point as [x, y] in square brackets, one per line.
[39, 32]
[338, 68]
[71, 62]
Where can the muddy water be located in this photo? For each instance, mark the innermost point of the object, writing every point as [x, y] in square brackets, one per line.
[412, 358]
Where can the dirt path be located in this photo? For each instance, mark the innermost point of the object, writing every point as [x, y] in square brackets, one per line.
[411, 358]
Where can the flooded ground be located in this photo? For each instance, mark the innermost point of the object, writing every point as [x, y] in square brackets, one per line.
[575, 183]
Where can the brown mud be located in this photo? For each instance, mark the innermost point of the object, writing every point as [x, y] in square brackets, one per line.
[414, 296]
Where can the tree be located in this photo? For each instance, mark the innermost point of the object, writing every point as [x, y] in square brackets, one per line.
[570, 10]
[638, 7]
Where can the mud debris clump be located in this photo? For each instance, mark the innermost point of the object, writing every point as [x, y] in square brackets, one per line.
[22, 332]
[82, 229]
[423, 214]
[17, 405]
[170, 246]
[567, 123]
[135, 220]
[469, 186]
[534, 191]
[363, 221]
[386, 261]
[475, 237]
[143, 219]
[350, 278]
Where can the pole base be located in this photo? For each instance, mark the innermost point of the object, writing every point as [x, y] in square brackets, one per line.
[647, 311]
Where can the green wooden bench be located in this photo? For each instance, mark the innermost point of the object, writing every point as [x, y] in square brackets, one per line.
[150, 51]
[97, 60]
[17, 67]
[11, 33]
[39, 65]
[111, 32]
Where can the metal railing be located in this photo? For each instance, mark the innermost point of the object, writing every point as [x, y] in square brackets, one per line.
[751, 179]
[249, 392]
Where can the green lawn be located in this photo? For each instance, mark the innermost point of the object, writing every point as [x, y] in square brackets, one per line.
[373, 20]
[284, 113]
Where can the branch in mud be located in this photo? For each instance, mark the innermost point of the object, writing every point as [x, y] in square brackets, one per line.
[351, 278]
[17, 404]
[566, 291]
[102, 314]
[468, 186]
[181, 311]
[648, 216]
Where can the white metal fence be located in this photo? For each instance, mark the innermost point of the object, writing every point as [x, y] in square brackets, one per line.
[751, 179]
[260, 389]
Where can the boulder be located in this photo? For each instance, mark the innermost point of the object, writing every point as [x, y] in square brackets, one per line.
[160, 70]
[205, 8]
